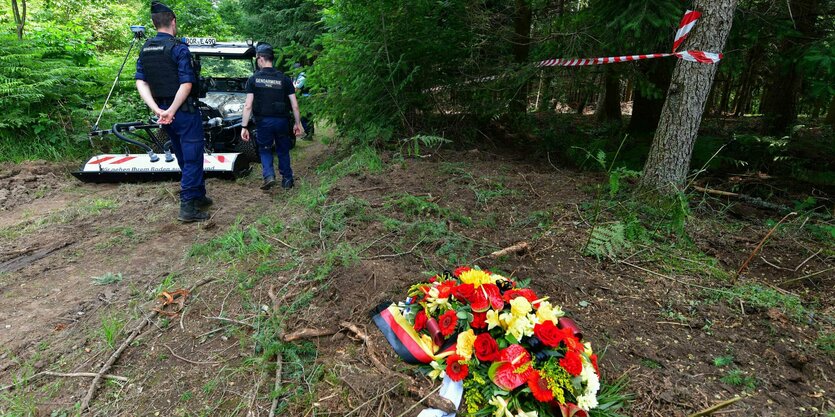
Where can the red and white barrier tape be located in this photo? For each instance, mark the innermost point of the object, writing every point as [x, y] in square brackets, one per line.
[684, 28]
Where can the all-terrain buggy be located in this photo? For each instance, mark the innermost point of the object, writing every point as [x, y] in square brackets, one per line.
[223, 69]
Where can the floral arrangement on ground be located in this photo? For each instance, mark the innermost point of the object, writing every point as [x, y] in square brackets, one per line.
[516, 353]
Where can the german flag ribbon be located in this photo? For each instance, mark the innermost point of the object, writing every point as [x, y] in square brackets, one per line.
[406, 342]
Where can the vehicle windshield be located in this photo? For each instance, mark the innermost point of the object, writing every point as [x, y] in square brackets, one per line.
[222, 67]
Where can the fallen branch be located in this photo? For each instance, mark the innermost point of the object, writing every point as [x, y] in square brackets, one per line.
[518, 248]
[68, 375]
[715, 408]
[714, 192]
[374, 398]
[372, 352]
[433, 400]
[91, 391]
[309, 334]
[277, 386]
[762, 242]
[420, 401]
[658, 274]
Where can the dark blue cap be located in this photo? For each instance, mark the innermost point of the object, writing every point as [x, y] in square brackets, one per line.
[264, 48]
[157, 7]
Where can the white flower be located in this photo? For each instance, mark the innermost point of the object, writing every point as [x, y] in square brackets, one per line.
[433, 302]
[588, 400]
[501, 407]
[527, 413]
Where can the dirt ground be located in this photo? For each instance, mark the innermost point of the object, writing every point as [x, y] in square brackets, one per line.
[331, 255]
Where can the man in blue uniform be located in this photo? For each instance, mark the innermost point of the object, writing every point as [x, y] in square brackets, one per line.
[168, 84]
[270, 97]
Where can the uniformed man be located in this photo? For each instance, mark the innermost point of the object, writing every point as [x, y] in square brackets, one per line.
[167, 82]
[270, 97]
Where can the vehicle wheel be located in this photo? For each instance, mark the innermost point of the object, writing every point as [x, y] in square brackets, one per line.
[248, 150]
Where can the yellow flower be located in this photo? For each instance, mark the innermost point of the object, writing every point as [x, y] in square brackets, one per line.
[492, 319]
[476, 277]
[520, 307]
[548, 312]
[501, 407]
[519, 327]
[464, 347]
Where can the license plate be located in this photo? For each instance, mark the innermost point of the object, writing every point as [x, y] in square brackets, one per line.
[200, 41]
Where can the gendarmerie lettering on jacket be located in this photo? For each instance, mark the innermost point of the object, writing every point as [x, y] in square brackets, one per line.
[268, 83]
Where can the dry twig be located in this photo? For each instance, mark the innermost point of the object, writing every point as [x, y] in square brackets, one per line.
[762, 242]
[710, 410]
[277, 386]
[188, 360]
[308, 334]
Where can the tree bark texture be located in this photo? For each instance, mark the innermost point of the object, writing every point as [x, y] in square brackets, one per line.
[19, 18]
[669, 157]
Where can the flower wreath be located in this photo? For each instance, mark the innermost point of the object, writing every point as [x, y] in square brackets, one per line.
[516, 354]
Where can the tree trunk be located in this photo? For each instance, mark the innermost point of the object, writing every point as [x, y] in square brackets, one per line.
[669, 157]
[726, 95]
[608, 103]
[646, 108]
[830, 114]
[780, 103]
[521, 48]
[19, 18]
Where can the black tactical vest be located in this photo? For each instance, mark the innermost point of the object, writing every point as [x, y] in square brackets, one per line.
[270, 97]
[159, 67]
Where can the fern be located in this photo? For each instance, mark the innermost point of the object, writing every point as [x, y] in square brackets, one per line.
[607, 240]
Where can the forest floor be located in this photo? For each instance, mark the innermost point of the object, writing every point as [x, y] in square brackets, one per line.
[82, 266]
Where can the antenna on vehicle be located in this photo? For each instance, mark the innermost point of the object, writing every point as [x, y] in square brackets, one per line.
[138, 33]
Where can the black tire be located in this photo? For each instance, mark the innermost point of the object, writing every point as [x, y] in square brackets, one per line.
[248, 150]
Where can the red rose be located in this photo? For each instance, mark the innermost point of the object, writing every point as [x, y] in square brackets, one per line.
[420, 321]
[455, 370]
[433, 279]
[447, 322]
[539, 387]
[463, 292]
[485, 347]
[479, 320]
[572, 363]
[548, 333]
[460, 270]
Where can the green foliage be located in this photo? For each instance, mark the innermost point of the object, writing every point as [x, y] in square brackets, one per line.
[45, 86]
[111, 327]
[760, 297]
[236, 244]
[826, 343]
[411, 147]
[607, 241]
[738, 378]
[722, 361]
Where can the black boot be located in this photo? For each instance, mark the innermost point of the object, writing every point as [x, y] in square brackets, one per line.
[286, 183]
[203, 203]
[268, 183]
[190, 213]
